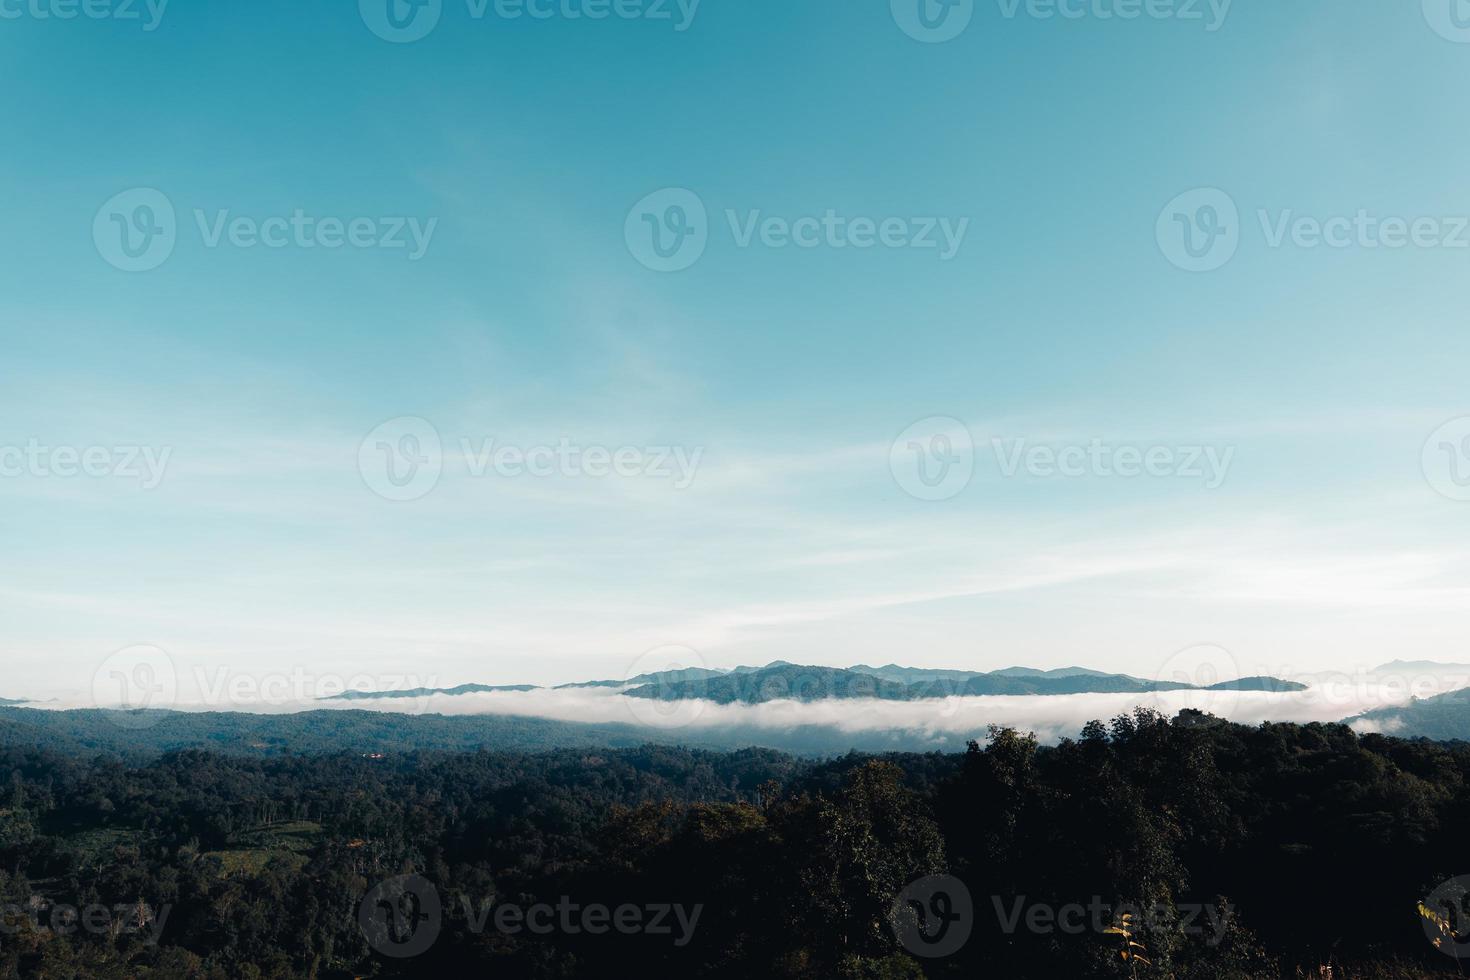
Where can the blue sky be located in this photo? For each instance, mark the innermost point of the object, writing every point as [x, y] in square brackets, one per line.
[1334, 537]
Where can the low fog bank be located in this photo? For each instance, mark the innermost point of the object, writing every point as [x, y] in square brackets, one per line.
[870, 724]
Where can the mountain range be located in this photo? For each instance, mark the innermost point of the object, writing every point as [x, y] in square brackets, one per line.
[782, 680]
[1444, 717]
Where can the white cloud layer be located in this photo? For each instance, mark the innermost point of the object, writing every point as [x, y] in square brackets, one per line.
[933, 722]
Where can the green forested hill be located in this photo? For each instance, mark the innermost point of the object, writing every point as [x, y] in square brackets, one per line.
[1269, 851]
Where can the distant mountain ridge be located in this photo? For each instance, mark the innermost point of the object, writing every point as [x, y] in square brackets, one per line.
[1423, 666]
[421, 692]
[782, 680]
[792, 682]
[1444, 717]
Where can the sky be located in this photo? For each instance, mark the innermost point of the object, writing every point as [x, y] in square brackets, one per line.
[370, 341]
